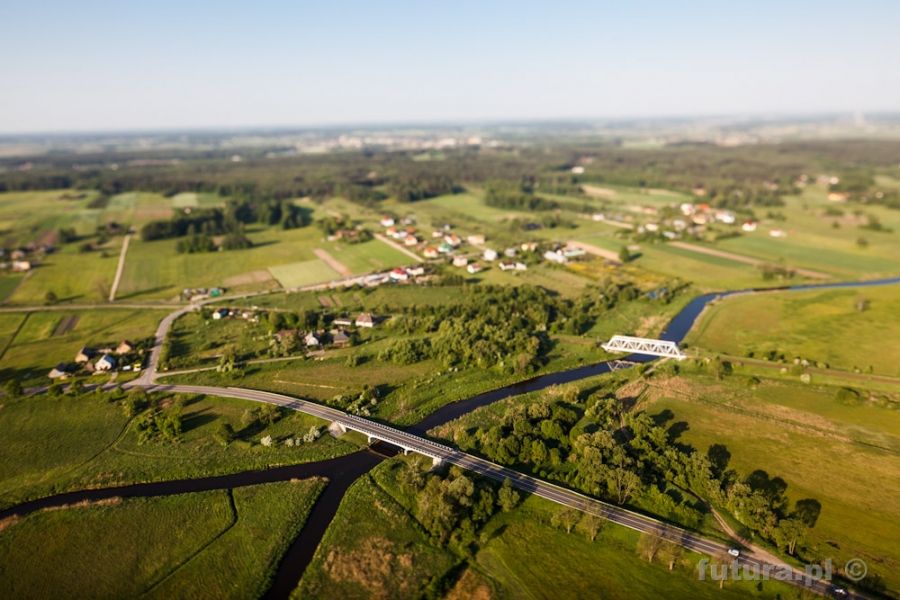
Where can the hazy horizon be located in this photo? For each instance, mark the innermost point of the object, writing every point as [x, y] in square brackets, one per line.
[108, 68]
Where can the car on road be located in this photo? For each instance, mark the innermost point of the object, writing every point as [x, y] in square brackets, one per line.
[839, 592]
[734, 552]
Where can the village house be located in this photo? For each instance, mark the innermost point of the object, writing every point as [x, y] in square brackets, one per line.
[411, 240]
[220, 314]
[415, 271]
[399, 274]
[106, 363]
[476, 240]
[284, 333]
[339, 337]
[777, 233]
[520, 266]
[311, 340]
[343, 322]
[391, 231]
[490, 255]
[507, 266]
[387, 222]
[437, 233]
[21, 266]
[529, 246]
[749, 226]
[445, 248]
[474, 268]
[365, 320]
[555, 256]
[431, 252]
[125, 347]
[60, 371]
[84, 355]
[452, 240]
[460, 261]
[17, 254]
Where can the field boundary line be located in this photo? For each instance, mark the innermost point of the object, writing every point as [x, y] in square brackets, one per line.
[16, 289]
[744, 259]
[332, 262]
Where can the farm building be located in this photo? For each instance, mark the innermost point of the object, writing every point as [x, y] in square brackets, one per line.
[460, 261]
[312, 340]
[220, 314]
[339, 337]
[106, 363]
[476, 240]
[365, 320]
[507, 266]
[125, 347]
[85, 354]
[60, 370]
[343, 322]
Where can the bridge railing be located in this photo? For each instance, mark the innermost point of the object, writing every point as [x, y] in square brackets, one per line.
[361, 424]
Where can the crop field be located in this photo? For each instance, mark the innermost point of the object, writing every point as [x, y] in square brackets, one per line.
[35, 350]
[71, 275]
[368, 256]
[805, 436]
[223, 544]
[53, 445]
[303, 273]
[820, 325]
[185, 200]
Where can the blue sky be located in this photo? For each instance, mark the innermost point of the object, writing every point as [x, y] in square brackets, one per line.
[104, 66]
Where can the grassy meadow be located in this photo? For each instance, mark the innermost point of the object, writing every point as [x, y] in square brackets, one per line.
[822, 326]
[218, 543]
[56, 445]
[37, 348]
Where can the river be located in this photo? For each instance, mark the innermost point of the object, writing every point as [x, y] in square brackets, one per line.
[343, 471]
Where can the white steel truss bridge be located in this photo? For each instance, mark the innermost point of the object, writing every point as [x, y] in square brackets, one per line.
[636, 345]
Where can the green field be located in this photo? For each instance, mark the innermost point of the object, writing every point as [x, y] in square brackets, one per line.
[35, 349]
[845, 456]
[185, 200]
[52, 446]
[83, 278]
[822, 326]
[303, 273]
[204, 544]
[375, 547]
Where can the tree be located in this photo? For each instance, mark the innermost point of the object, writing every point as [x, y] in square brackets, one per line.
[312, 435]
[50, 297]
[624, 255]
[76, 388]
[622, 483]
[593, 524]
[224, 433]
[567, 518]
[266, 441]
[789, 533]
[13, 388]
[671, 553]
[55, 390]
[508, 497]
[411, 475]
[649, 545]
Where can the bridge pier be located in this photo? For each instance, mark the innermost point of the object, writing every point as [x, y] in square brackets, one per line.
[336, 429]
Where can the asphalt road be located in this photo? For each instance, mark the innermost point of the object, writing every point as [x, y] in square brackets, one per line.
[496, 472]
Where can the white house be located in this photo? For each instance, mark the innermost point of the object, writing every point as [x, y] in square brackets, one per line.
[476, 240]
[106, 363]
[387, 222]
[415, 271]
[365, 320]
[411, 240]
[431, 252]
[490, 254]
[311, 340]
[777, 233]
[749, 226]
[473, 268]
[460, 261]
[399, 275]
[520, 266]
[507, 266]
[555, 256]
[510, 252]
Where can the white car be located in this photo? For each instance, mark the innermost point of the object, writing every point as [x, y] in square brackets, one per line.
[734, 552]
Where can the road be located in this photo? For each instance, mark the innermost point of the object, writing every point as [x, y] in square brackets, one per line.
[525, 483]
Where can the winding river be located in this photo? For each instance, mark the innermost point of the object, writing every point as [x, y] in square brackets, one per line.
[343, 471]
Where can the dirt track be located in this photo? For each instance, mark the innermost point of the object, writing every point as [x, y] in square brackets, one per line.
[331, 262]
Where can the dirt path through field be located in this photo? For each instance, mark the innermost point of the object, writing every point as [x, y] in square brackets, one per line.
[120, 268]
[332, 262]
[607, 254]
[397, 246]
[744, 259]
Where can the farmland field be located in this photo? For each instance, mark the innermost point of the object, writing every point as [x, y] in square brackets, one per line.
[822, 326]
[223, 544]
[303, 273]
[35, 350]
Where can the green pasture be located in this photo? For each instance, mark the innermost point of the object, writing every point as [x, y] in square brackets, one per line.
[57, 445]
[83, 278]
[35, 350]
[185, 200]
[820, 325]
[303, 273]
[187, 545]
[803, 437]
[367, 257]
